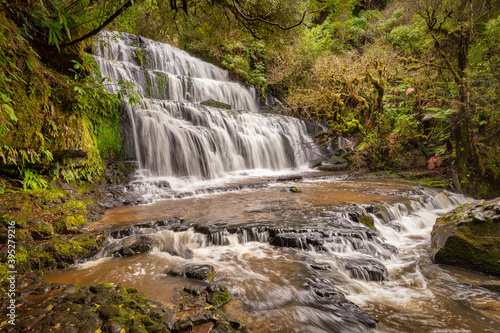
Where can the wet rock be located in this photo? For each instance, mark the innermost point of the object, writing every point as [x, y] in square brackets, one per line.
[199, 307]
[218, 295]
[293, 189]
[137, 228]
[118, 196]
[315, 163]
[319, 267]
[216, 104]
[193, 289]
[362, 218]
[112, 328]
[335, 160]
[301, 241]
[198, 272]
[469, 237]
[286, 178]
[331, 299]
[366, 269]
[142, 244]
[333, 167]
[492, 287]
[111, 309]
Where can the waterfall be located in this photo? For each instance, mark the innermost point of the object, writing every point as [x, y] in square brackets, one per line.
[177, 137]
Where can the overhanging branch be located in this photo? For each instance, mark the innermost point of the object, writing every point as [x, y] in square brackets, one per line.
[260, 19]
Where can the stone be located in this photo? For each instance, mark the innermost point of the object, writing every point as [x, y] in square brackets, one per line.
[469, 237]
[293, 189]
[286, 178]
[367, 269]
[216, 104]
[333, 167]
[315, 163]
[200, 272]
[319, 267]
[143, 244]
[334, 160]
[218, 295]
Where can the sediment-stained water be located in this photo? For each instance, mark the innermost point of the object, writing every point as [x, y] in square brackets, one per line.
[279, 285]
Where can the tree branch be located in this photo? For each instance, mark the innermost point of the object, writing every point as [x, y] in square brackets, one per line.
[248, 18]
[100, 27]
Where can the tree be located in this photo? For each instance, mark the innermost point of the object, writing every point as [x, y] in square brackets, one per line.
[453, 26]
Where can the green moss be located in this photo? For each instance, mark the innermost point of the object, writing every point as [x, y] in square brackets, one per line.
[42, 230]
[219, 297]
[216, 104]
[367, 221]
[73, 207]
[141, 56]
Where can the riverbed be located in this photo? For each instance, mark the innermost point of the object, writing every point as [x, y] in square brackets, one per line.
[274, 248]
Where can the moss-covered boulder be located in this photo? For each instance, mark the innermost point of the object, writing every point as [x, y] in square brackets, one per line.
[469, 237]
[216, 104]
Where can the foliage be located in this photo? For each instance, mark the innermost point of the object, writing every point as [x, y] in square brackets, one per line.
[32, 181]
[48, 119]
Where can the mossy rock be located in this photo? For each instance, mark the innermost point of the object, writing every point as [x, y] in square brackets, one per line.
[98, 308]
[218, 296]
[41, 231]
[367, 221]
[315, 163]
[335, 160]
[216, 104]
[200, 272]
[469, 237]
[333, 167]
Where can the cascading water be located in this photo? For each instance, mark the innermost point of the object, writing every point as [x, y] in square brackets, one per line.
[302, 262]
[178, 139]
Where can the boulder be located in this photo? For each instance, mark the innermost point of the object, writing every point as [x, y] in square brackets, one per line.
[315, 163]
[335, 160]
[140, 245]
[198, 272]
[216, 104]
[469, 237]
[333, 167]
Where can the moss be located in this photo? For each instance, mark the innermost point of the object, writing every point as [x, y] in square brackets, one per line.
[367, 221]
[42, 230]
[216, 104]
[140, 56]
[73, 207]
[219, 297]
[468, 237]
[68, 251]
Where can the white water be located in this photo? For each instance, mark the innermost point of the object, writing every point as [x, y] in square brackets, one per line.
[180, 142]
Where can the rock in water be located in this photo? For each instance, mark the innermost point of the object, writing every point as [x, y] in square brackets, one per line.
[469, 237]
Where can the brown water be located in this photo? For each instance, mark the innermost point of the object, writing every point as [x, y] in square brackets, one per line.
[269, 284]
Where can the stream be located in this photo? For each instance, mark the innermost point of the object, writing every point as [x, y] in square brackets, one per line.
[246, 235]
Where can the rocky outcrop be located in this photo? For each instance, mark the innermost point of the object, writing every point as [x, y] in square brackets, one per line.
[469, 237]
[58, 307]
